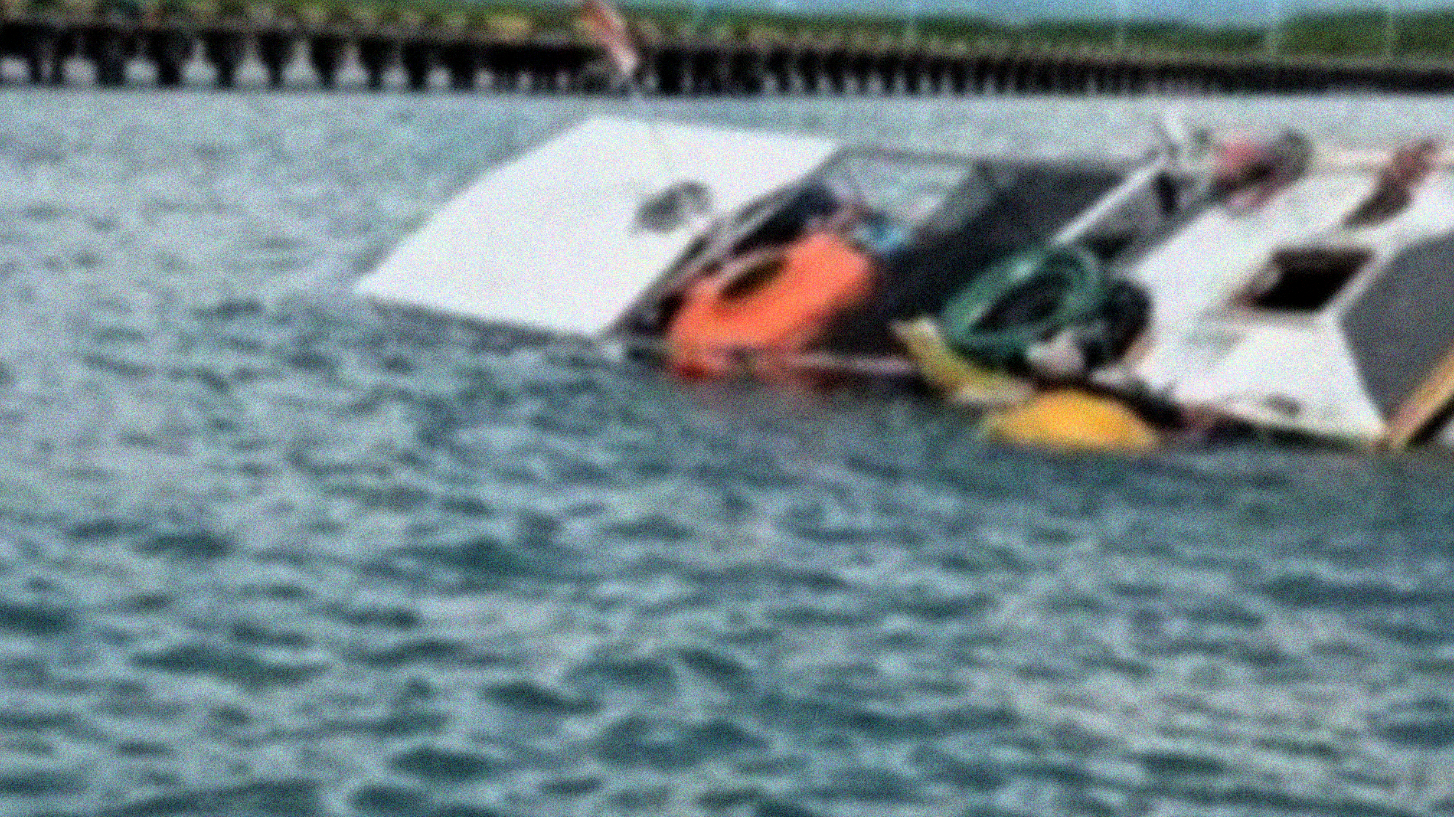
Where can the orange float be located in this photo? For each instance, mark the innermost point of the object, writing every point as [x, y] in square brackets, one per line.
[759, 311]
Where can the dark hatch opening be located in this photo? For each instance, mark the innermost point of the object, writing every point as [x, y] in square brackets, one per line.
[1303, 279]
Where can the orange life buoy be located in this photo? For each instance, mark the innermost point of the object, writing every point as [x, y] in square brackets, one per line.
[725, 324]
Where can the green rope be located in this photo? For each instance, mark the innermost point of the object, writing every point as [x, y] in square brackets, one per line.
[1022, 300]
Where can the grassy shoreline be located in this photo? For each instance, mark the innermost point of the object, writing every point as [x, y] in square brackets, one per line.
[1368, 33]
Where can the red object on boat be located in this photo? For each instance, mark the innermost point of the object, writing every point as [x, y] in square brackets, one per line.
[1247, 174]
[721, 330]
[609, 28]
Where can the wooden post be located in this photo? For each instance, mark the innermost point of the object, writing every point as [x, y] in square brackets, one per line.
[1422, 406]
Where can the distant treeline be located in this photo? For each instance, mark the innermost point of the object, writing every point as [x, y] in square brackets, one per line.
[1365, 33]
[1346, 34]
[1362, 33]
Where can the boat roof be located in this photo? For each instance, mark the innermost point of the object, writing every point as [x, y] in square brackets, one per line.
[557, 239]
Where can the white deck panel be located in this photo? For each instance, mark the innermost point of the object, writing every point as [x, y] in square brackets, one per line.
[548, 241]
[1245, 361]
[1308, 366]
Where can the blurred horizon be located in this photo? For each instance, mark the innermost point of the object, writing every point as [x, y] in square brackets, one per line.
[1206, 12]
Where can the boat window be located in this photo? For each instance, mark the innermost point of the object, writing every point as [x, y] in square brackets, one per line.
[1303, 279]
[968, 199]
[1141, 209]
[907, 188]
[783, 218]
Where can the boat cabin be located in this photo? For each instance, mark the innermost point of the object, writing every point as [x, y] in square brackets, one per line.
[1322, 310]
[604, 231]
[924, 227]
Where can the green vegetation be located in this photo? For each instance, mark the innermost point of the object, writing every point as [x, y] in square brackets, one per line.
[1359, 33]
[512, 19]
[1427, 34]
[1153, 35]
[740, 24]
[1421, 34]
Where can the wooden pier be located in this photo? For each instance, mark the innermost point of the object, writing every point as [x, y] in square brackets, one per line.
[58, 48]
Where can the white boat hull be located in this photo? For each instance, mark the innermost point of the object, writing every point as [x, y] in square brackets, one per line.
[551, 240]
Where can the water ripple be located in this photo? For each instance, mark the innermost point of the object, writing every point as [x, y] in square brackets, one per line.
[265, 550]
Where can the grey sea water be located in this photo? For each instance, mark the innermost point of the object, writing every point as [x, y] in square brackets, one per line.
[267, 551]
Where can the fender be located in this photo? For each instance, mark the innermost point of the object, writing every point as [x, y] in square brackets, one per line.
[769, 304]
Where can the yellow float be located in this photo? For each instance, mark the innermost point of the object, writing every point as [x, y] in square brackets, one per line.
[1072, 420]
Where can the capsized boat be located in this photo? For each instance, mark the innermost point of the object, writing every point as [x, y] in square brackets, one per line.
[1096, 301]
[734, 252]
